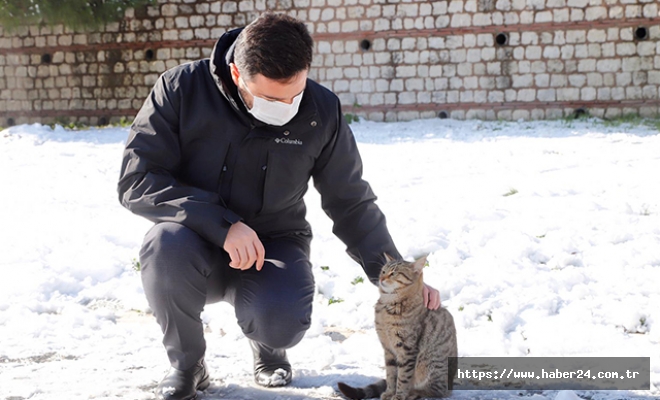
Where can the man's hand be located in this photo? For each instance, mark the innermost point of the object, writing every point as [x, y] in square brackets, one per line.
[244, 247]
[431, 297]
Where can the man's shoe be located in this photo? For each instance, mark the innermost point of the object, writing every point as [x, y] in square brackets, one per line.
[183, 385]
[271, 366]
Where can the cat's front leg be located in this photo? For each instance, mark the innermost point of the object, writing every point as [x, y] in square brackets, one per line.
[391, 374]
[404, 380]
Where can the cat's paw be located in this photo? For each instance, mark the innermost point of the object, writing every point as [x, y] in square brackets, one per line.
[400, 396]
[387, 395]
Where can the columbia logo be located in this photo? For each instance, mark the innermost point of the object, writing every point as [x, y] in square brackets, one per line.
[296, 142]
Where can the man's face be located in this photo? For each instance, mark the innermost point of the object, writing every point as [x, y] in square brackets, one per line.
[268, 89]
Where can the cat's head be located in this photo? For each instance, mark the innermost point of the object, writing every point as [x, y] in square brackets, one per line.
[396, 275]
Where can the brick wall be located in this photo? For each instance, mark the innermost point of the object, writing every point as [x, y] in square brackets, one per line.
[387, 60]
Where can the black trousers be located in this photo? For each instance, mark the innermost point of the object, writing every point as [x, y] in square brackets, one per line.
[181, 272]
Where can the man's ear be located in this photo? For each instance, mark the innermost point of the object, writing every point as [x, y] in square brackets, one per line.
[234, 73]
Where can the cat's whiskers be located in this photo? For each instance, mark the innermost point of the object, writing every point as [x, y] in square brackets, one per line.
[386, 287]
[388, 298]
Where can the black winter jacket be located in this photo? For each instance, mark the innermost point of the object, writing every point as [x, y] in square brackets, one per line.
[196, 157]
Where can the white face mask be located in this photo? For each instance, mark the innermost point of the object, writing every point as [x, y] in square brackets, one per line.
[272, 112]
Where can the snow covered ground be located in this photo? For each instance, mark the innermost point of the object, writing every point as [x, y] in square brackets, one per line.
[544, 240]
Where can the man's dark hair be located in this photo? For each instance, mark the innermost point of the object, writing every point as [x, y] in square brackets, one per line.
[276, 46]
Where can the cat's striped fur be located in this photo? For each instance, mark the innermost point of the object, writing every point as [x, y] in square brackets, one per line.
[417, 341]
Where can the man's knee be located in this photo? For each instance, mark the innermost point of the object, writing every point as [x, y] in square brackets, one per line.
[278, 326]
[170, 249]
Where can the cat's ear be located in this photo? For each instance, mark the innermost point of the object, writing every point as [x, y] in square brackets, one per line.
[419, 263]
[388, 258]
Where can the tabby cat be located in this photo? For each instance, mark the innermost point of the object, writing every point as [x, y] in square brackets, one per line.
[417, 341]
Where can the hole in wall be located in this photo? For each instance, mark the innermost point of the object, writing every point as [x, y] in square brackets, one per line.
[580, 113]
[502, 39]
[142, 12]
[149, 55]
[103, 121]
[443, 115]
[641, 33]
[365, 45]
[11, 122]
[46, 58]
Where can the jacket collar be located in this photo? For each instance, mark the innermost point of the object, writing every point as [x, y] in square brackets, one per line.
[221, 56]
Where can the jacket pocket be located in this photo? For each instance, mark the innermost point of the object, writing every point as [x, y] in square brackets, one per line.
[204, 167]
[222, 163]
[287, 174]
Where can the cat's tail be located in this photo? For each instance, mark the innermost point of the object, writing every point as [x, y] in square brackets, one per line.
[367, 392]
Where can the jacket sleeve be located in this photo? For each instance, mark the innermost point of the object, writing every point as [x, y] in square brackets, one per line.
[349, 201]
[148, 185]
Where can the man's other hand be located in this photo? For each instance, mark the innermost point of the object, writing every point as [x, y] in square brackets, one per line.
[244, 247]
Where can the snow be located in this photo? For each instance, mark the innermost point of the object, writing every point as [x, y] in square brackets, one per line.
[567, 395]
[278, 378]
[543, 239]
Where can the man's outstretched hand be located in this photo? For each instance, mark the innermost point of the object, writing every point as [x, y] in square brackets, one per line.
[431, 297]
[244, 247]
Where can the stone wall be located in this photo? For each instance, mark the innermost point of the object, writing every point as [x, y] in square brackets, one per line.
[387, 60]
